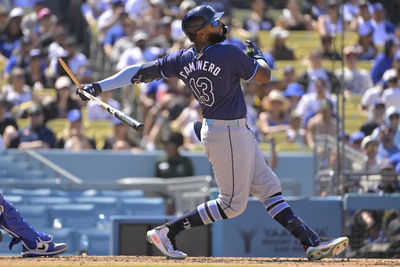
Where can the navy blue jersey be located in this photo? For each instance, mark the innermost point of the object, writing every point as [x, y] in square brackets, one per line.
[214, 78]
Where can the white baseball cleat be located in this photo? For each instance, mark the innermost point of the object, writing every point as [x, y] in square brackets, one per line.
[158, 237]
[327, 248]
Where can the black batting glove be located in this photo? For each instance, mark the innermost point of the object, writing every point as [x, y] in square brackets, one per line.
[254, 52]
[92, 88]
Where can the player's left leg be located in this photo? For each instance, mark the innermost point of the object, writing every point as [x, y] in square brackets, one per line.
[266, 187]
[33, 243]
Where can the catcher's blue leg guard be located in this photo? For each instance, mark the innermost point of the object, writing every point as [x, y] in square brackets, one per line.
[33, 243]
[13, 223]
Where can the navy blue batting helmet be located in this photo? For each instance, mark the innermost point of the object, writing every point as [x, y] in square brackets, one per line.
[197, 18]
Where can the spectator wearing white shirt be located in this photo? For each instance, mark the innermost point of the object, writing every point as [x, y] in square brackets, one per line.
[139, 53]
[92, 10]
[126, 42]
[76, 60]
[17, 91]
[258, 19]
[136, 8]
[391, 95]
[365, 10]
[95, 112]
[30, 21]
[383, 29]
[111, 16]
[350, 10]
[310, 103]
[331, 23]
[371, 96]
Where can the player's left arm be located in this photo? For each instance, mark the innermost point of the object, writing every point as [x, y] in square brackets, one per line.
[263, 74]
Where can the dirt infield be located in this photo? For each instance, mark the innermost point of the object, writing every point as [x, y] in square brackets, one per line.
[190, 261]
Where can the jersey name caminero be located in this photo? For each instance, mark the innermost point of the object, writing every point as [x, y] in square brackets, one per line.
[214, 78]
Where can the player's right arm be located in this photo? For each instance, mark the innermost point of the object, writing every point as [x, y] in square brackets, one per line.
[133, 74]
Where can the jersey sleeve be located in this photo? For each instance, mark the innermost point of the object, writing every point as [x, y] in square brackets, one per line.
[244, 66]
[169, 64]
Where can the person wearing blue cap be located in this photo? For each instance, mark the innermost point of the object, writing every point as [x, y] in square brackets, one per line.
[365, 43]
[73, 137]
[331, 23]
[294, 92]
[383, 28]
[383, 61]
[120, 139]
[356, 139]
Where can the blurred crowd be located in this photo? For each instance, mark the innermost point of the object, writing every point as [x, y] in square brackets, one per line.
[294, 109]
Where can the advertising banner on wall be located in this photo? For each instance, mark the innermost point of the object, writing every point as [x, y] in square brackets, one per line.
[255, 234]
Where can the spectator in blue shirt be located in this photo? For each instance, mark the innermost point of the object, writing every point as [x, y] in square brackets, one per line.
[383, 61]
[20, 57]
[383, 29]
[113, 34]
[386, 147]
[11, 33]
[36, 135]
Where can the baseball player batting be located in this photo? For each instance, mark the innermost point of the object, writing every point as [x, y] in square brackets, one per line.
[213, 71]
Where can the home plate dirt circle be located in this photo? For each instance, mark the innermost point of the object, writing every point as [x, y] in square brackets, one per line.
[190, 261]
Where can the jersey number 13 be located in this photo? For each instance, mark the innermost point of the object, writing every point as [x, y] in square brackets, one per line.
[202, 87]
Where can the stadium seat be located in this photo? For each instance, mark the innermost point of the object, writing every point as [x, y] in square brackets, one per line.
[65, 235]
[57, 126]
[94, 241]
[43, 192]
[74, 216]
[122, 193]
[143, 206]
[104, 206]
[290, 187]
[49, 201]
[15, 200]
[38, 216]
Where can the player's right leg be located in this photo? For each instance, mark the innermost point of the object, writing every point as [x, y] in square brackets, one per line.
[267, 188]
[33, 243]
[233, 164]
